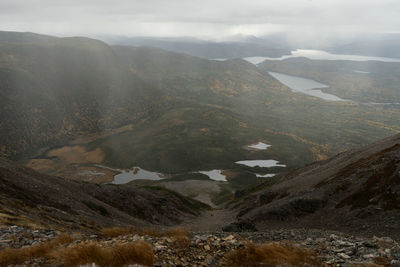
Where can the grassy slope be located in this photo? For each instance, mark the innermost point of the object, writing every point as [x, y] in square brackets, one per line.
[224, 106]
[187, 113]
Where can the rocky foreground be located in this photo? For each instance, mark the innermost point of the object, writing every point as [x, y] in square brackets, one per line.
[211, 249]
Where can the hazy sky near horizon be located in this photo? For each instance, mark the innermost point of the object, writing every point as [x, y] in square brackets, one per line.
[209, 19]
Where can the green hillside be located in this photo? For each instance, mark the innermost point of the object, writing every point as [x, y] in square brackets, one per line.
[184, 113]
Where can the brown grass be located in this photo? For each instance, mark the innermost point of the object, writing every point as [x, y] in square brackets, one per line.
[116, 256]
[120, 231]
[180, 237]
[382, 261]
[77, 154]
[73, 255]
[41, 164]
[16, 256]
[272, 254]
[117, 231]
[367, 265]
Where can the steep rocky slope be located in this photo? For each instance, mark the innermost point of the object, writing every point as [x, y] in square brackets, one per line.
[30, 198]
[357, 191]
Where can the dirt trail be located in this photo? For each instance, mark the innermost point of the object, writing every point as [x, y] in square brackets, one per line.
[210, 220]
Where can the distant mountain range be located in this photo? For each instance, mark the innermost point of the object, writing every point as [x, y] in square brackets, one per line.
[207, 49]
[273, 45]
[383, 45]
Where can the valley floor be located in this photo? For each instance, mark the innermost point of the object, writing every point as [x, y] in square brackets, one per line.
[210, 220]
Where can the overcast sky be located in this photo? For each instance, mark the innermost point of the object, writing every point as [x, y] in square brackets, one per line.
[210, 19]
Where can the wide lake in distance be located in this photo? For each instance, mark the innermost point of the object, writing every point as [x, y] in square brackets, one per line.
[320, 55]
[306, 86]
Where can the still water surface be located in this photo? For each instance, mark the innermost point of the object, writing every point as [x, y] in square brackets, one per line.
[306, 86]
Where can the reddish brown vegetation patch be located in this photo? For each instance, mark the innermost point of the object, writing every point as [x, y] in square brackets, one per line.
[116, 256]
[80, 254]
[16, 256]
[180, 236]
[272, 254]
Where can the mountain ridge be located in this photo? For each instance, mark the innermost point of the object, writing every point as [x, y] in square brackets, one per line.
[31, 198]
[357, 190]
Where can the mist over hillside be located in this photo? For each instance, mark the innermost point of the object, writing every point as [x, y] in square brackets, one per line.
[199, 133]
[87, 87]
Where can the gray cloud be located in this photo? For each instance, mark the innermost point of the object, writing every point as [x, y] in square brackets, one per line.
[205, 19]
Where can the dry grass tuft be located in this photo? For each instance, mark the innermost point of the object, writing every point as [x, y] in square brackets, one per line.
[117, 231]
[382, 261]
[177, 232]
[140, 253]
[116, 256]
[74, 255]
[61, 240]
[11, 256]
[150, 232]
[367, 265]
[272, 254]
[180, 237]
[121, 231]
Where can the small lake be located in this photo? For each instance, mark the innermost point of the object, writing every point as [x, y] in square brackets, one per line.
[136, 173]
[268, 175]
[362, 72]
[320, 55]
[259, 146]
[306, 86]
[215, 175]
[261, 163]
